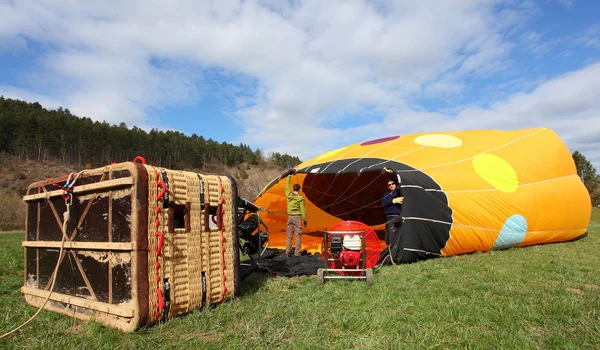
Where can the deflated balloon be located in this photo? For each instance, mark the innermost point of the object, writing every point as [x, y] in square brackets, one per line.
[463, 191]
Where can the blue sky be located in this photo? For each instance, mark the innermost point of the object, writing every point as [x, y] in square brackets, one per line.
[305, 77]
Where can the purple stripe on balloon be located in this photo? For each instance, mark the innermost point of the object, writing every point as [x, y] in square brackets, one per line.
[385, 139]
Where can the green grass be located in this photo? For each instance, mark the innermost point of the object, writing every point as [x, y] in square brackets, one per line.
[540, 297]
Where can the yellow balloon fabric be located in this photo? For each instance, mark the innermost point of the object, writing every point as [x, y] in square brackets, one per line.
[463, 191]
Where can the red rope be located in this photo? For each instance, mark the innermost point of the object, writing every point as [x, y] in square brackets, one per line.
[161, 238]
[140, 158]
[223, 276]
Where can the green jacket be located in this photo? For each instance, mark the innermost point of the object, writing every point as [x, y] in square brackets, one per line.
[295, 202]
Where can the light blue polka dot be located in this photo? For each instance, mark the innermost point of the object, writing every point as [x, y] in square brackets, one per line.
[512, 233]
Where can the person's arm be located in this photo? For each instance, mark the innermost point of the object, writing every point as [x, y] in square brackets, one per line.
[288, 191]
[387, 200]
[303, 211]
[397, 197]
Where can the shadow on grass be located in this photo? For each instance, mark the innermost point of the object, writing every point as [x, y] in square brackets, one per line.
[253, 283]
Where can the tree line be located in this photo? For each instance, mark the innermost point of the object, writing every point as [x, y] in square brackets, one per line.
[29, 131]
[587, 173]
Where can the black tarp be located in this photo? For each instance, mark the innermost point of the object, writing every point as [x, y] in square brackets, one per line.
[276, 262]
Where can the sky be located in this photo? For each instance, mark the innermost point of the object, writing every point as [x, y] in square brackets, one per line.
[307, 77]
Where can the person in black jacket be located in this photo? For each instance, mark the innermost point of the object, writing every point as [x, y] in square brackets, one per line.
[392, 203]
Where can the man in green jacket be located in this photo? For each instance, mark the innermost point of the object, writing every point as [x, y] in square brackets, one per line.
[296, 212]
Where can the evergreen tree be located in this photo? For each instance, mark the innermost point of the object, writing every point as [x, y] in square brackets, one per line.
[588, 175]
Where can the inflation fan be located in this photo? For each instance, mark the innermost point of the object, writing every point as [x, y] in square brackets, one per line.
[350, 249]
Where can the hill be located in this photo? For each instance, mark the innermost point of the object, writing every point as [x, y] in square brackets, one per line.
[36, 143]
[17, 174]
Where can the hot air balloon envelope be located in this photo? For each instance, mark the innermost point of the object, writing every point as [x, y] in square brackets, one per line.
[463, 192]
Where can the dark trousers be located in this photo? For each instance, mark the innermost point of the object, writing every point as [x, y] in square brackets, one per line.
[392, 227]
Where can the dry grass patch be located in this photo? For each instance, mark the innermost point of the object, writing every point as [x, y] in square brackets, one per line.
[12, 211]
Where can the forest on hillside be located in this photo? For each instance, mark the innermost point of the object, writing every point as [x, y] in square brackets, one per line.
[29, 131]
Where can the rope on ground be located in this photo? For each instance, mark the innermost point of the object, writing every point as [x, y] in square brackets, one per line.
[66, 219]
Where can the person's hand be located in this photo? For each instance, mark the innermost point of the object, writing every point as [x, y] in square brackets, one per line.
[398, 200]
[287, 173]
[386, 170]
[305, 223]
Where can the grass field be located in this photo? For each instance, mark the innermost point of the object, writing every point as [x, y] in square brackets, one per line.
[539, 297]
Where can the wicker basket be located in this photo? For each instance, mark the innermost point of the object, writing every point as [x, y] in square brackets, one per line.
[112, 268]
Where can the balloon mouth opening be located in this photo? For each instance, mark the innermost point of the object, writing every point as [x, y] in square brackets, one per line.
[348, 196]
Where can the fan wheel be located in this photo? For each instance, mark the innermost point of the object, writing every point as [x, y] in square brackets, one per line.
[369, 275]
[320, 276]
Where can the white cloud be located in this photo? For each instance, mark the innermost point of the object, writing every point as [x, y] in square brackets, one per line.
[25, 95]
[566, 3]
[567, 104]
[306, 70]
[536, 43]
[590, 38]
